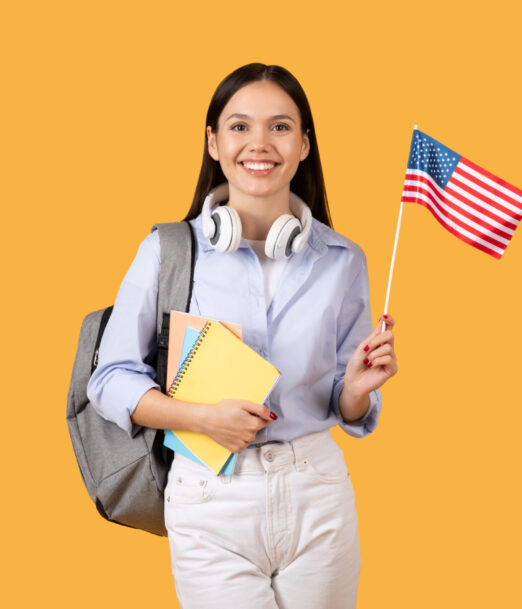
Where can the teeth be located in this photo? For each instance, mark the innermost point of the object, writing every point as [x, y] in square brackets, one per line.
[259, 165]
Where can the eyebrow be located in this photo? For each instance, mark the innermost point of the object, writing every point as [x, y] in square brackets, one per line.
[275, 117]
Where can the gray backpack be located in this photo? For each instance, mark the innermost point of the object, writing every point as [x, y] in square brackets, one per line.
[124, 476]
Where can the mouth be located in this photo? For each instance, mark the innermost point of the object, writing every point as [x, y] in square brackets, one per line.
[258, 169]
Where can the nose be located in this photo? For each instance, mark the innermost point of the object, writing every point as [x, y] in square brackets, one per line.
[259, 139]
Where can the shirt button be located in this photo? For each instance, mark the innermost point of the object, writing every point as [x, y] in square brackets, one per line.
[269, 456]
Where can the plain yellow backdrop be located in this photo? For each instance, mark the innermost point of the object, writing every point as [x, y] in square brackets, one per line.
[102, 136]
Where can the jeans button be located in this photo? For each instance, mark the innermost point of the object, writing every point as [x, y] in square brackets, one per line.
[269, 456]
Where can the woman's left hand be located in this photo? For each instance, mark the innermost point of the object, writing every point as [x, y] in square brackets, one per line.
[374, 361]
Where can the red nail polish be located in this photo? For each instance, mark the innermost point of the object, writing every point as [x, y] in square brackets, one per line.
[385, 316]
[367, 348]
[370, 364]
[366, 360]
[273, 416]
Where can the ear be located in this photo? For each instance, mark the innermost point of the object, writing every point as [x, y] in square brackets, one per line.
[305, 148]
[212, 148]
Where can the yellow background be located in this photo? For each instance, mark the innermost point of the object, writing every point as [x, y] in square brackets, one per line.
[102, 136]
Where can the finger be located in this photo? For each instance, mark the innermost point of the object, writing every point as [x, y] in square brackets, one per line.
[379, 351]
[378, 339]
[388, 320]
[385, 360]
[382, 361]
[378, 330]
[364, 345]
[261, 423]
[260, 410]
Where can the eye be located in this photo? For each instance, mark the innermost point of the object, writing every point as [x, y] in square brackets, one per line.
[284, 125]
[233, 128]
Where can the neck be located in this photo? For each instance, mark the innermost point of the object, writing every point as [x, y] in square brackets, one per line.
[258, 213]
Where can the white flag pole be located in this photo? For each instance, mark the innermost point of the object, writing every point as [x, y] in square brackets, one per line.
[391, 265]
[393, 260]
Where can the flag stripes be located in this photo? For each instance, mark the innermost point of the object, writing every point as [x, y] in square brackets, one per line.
[470, 202]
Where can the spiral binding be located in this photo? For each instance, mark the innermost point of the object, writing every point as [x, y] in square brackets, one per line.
[175, 384]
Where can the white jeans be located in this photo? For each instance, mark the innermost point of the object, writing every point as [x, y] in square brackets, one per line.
[281, 532]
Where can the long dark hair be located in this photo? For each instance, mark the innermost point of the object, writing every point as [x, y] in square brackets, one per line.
[308, 182]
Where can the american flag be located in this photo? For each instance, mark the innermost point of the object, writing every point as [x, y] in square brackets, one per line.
[470, 202]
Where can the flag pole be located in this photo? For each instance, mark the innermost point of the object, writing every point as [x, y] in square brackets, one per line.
[391, 265]
[393, 259]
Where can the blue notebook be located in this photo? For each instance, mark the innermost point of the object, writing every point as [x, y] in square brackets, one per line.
[171, 440]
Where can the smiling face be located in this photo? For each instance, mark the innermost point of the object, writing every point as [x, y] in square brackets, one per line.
[259, 142]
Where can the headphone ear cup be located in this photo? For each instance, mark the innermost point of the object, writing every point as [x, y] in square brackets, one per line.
[218, 193]
[282, 233]
[227, 235]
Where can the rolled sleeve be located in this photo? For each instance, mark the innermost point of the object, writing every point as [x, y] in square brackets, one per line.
[367, 423]
[129, 342]
[355, 324]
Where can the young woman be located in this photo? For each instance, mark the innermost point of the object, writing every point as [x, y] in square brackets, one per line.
[281, 531]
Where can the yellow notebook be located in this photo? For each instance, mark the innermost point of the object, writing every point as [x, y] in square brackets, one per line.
[220, 367]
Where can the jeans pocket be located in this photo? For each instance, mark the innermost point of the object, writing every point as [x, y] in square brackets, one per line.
[328, 465]
[189, 483]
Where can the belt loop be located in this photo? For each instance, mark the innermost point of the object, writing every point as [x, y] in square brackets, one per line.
[225, 479]
[297, 457]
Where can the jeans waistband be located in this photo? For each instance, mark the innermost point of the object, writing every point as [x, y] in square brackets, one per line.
[272, 454]
[275, 454]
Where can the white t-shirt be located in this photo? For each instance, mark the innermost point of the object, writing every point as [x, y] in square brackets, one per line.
[272, 269]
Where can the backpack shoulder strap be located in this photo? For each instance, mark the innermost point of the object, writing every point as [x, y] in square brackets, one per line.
[178, 246]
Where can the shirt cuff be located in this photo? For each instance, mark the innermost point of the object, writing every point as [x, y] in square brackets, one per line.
[132, 428]
[136, 385]
[367, 423]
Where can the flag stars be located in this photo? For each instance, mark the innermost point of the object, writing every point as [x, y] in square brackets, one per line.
[432, 158]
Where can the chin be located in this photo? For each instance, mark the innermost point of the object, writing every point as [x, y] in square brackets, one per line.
[261, 190]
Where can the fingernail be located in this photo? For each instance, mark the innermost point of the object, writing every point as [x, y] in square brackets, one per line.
[385, 316]
[367, 348]
[366, 360]
[273, 416]
[370, 364]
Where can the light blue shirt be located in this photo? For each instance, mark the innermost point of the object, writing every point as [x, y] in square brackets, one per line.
[318, 316]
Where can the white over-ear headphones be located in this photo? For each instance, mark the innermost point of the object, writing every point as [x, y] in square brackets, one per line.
[222, 226]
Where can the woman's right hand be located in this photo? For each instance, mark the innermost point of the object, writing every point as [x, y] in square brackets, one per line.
[234, 423]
